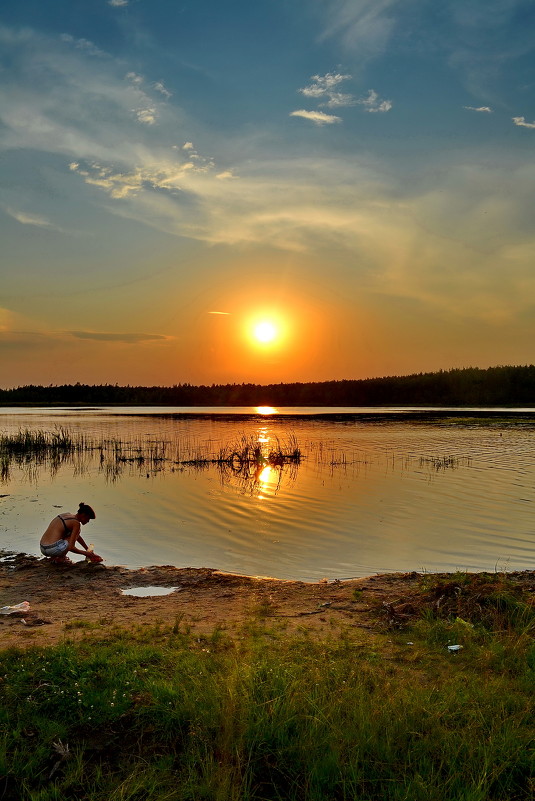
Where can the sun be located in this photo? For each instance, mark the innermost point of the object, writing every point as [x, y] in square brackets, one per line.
[265, 332]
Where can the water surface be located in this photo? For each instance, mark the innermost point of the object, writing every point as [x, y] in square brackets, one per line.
[370, 494]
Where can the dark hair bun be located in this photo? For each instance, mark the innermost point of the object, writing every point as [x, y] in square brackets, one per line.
[84, 509]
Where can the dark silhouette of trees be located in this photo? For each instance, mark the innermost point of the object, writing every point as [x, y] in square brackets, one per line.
[471, 386]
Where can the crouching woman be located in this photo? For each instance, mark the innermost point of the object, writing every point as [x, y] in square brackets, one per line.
[63, 534]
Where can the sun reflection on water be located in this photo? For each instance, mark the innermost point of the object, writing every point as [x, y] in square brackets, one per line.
[267, 481]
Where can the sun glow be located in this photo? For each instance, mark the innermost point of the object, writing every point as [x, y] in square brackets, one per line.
[265, 331]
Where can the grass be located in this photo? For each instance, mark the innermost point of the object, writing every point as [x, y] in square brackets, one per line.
[26, 441]
[260, 714]
[244, 458]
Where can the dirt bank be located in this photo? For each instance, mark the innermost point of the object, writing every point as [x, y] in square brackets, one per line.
[68, 600]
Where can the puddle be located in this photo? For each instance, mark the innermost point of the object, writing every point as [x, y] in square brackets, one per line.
[142, 592]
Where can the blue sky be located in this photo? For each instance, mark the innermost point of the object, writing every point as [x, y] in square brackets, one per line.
[361, 172]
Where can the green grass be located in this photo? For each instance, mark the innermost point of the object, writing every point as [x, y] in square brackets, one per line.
[261, 714]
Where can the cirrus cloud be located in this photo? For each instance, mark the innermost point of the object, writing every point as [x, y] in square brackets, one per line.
[317, 117]
[128, 338]
[481, 109]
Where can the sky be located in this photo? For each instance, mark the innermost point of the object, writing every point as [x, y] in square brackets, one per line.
[356, 177]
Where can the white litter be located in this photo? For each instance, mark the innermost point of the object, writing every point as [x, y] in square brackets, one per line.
[8, 610]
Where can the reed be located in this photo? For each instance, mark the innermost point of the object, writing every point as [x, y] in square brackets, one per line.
[27, 441]
[248, 451]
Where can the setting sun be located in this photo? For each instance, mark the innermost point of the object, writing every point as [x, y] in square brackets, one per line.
[268, 334]
[265, 331]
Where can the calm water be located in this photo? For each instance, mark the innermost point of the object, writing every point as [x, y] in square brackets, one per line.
[368, 496]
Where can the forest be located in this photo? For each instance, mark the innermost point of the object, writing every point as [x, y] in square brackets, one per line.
[471, 386]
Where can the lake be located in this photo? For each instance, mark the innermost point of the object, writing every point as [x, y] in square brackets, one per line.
[374, 490]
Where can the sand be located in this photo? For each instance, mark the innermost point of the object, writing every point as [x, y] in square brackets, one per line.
[69, 601]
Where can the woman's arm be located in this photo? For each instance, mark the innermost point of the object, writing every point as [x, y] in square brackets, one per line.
[82, 541]
[73, 539]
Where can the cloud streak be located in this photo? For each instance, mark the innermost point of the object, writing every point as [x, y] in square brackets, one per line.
[364, 27]
[521, 122]
[127, 338]
[30, 219]
[317, 117]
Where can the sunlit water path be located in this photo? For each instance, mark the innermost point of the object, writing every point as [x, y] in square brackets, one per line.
[367, 496]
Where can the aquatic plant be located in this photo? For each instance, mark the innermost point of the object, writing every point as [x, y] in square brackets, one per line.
[31, 449]
[248, 451]
[27, 441]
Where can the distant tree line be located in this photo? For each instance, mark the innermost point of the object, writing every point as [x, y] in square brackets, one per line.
[472, 386]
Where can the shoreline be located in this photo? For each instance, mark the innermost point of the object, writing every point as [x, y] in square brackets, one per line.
[393, 412]
[75, 600]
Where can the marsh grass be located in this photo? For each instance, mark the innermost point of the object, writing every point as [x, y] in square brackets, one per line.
[26, 441]
[260, 714]
[244, 458]
[239, 461]
[248, 451]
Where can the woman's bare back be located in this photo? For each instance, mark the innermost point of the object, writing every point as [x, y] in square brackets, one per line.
[56, 530]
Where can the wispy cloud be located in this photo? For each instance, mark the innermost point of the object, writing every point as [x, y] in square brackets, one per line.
[134, 78]
[481, 109]
[158, 85]
[83, 44]
[117, 3]
[59, 99]
[53, 105]
[373, 103]
[363, 26]
[30, 219]
[128, 338]
[121, 184]
[317, 117]
[26, 340]
[521, 122]
[323, 87]
[218, 312]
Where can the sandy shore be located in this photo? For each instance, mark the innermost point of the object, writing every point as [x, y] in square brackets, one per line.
[70, 600]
